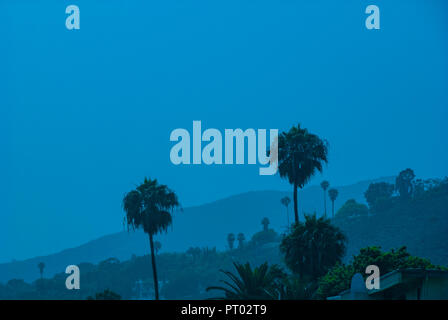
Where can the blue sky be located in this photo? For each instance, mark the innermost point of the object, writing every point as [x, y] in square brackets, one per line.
[86, 114]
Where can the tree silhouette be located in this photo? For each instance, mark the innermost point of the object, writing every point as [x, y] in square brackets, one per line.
[41, 267]
[378, 192]
[351, 208]
[404, 183]
[338, 278]
[230, 240]
[313, 247]
[195, 252]
[324, 185]
[241, 239]
[333, 194]
[286, 201]
[150, 206]
[105, 295]
[300, 155]
[250, 284]
[265, 222]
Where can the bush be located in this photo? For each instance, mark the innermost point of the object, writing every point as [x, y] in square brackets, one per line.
[351, 208]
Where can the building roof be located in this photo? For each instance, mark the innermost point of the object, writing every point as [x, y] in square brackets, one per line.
[397, 277]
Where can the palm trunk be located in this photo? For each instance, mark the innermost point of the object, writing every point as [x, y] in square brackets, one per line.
[325, 204]
[296, 209]
[332, 207]
[154, 268]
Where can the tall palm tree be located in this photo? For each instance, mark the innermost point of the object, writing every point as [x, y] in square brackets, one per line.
[259, 283]
[333, 194]
[241, 239]
[300, 155]
[150, 206]
[265, 222]
[41, 267]
[230, 240]
[324, 185]
[286, 201]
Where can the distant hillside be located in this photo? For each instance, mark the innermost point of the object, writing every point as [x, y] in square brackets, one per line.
[205, 225]
[421, 225]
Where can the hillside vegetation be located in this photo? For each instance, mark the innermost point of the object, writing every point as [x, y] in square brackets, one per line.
[420, 223]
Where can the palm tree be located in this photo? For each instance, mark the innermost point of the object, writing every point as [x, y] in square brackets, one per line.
[300, 154]
[333, 194]
[257, 284]
[241, 239]
[324, 185]
[230, 240]
[265, 222]
[150, 206]
[41, 267]
[157, 246]
[313, 247]
[286, 201]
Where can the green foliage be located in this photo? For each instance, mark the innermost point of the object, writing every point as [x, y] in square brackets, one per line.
[339, 277]
[351, 208]
[293, 287]
[313, 247]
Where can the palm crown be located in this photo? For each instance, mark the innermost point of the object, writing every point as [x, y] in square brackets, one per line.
[300, 155]
[149, 206]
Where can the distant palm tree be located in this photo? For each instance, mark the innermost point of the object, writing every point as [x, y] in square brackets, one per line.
[230, 240]
[250, 284]
[265, 222]
[300, 155]
[41, 267]
[150, 206]
[324, 185]
[241, 239]
[333, 194]
[286, 201]
[157, 246]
